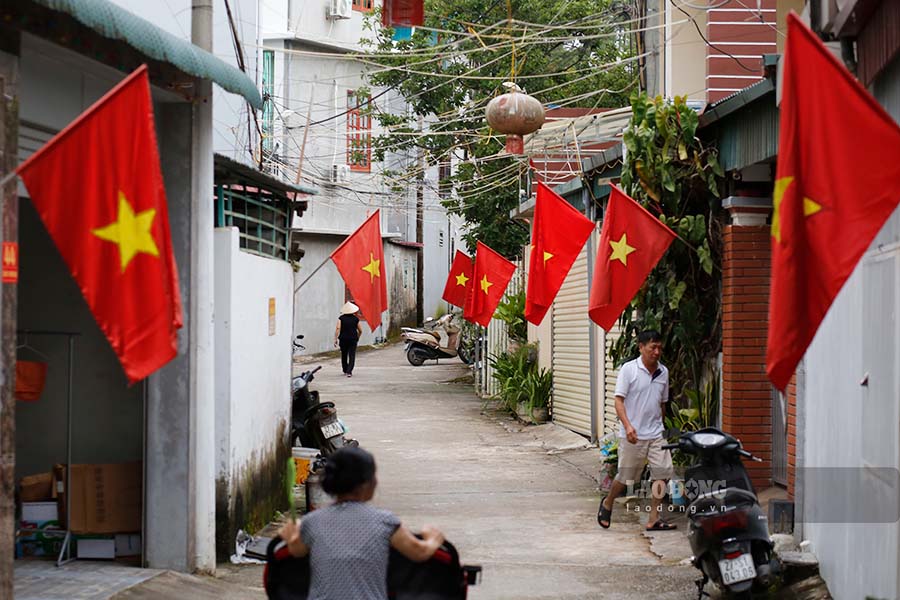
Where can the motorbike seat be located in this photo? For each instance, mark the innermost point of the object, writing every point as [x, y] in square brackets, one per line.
[720, 500]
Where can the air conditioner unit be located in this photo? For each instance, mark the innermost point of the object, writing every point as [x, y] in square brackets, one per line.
[339, 9]
[339, 173]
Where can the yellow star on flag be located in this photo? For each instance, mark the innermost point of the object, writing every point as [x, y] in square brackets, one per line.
[131, 232]
[547, 255]
[373, 268]
[485, 284]
[810, 207]
[621, 250]
[461, 279]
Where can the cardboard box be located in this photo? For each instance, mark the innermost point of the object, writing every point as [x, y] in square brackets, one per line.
[105, 498]
[36, 488]
[96, 548]
[128, 544]
[39, 512]
[59, 492]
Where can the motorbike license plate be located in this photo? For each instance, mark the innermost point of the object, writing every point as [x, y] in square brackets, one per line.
[737, 569]
[332, 429]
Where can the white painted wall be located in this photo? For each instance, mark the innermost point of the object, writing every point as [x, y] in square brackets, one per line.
[844, 424]
[312, 86]
[317, 304]
[307, 20]
[253, 368]
[231, 135]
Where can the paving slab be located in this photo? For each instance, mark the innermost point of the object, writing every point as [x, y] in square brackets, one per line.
[78, 580]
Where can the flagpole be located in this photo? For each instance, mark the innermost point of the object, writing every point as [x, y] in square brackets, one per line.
[316, 270]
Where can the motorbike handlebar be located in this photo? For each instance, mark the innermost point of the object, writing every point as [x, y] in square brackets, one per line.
[749, 456]
[671, 446]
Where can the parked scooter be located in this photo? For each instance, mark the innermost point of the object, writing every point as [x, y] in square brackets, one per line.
[314, 424]
[425, 343]
[729, 533]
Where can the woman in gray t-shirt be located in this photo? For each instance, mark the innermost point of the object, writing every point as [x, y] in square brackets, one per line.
[349, 542]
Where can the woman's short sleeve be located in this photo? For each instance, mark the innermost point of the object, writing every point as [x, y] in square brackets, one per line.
[390, 521]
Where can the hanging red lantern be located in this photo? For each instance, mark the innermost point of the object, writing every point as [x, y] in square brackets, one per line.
[515, 114]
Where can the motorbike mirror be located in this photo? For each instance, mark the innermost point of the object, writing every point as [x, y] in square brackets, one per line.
[300, 337]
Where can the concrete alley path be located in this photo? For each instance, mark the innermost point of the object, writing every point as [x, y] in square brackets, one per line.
[528, 517]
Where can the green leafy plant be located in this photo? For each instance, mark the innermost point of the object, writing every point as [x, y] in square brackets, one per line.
[537, 386]
[455, 74]
[674, 175]
[520, 380]
[700, 409]
[511, 311]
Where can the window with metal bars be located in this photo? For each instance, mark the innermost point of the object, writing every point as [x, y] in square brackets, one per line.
[261, 218]
[362, 5]
[359, 137]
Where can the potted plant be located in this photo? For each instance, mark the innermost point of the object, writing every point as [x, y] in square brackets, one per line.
[538, 387]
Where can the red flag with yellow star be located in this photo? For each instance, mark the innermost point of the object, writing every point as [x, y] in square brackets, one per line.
[459, 280]
[631, 243]
[98, 188]
[360, 261]
[490, 276]
[837, 182]
[558, 234]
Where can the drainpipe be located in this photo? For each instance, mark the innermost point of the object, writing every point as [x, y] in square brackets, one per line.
[667, 92]
[202, 468]
[420, 232]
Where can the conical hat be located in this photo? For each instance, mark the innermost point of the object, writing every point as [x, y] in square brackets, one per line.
[349, 309]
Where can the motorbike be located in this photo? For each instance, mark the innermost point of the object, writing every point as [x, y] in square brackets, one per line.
[728, 530]
[425, 343]
[441, 577]
[314, 424]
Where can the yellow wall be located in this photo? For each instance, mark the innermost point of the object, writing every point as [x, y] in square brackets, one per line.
[688, 55]
[783, 7]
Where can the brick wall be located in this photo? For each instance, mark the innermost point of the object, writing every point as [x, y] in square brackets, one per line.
[791, 436]
[739, 34]
[746, 391]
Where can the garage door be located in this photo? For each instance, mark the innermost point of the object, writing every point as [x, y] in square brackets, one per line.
[610, 420]
[571, 351]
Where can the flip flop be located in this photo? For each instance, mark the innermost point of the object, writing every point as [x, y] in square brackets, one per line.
[604, 514]
[661, 525]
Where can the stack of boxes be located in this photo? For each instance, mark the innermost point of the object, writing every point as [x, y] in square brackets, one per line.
[106, 511]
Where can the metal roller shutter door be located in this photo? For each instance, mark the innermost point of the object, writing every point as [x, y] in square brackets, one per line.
[571, 351]
[610, 420]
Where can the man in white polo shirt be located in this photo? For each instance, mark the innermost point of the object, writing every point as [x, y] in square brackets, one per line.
[642, 389]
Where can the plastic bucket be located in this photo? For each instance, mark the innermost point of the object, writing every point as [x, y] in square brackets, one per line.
[303, 458]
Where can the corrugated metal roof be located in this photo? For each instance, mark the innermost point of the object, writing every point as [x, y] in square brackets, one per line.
[232, 171]
[114, 22]
[729, 104]
[744, 126]
[586, 129]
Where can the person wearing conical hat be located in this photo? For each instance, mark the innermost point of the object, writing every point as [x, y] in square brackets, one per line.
[346, 336]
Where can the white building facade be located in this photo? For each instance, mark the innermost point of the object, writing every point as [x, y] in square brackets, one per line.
[316, 119]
